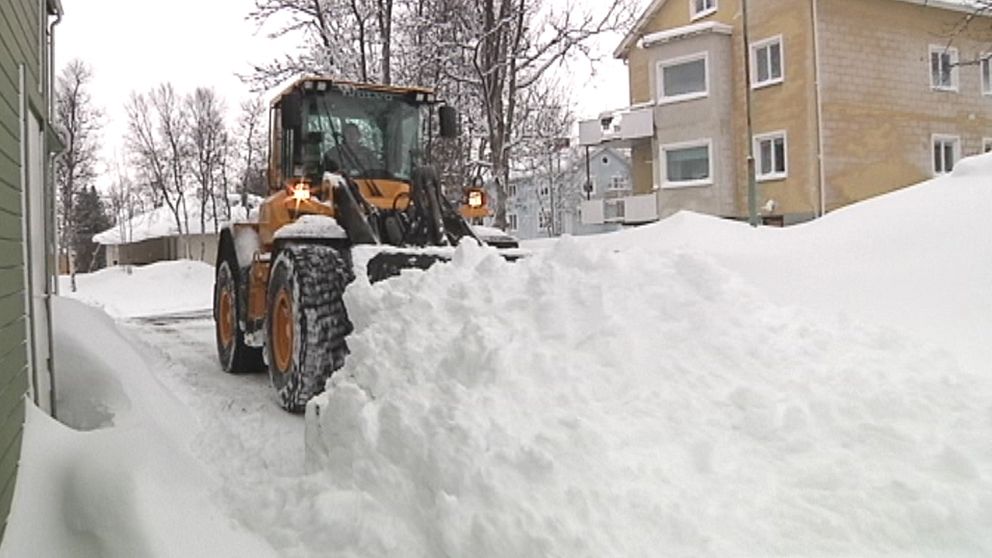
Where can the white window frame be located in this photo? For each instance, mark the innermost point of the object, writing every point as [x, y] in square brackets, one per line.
[767, 43]
[714, 6]
[955, 77]
[621, 178]
[983, 66]
[957, 151]
[986, 145]
[663, 152]
[660, 68]
[774, 175]
[511, 221]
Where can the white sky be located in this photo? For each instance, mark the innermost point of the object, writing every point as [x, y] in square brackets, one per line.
[136, 45]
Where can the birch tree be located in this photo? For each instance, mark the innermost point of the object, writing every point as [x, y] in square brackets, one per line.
[79, 122]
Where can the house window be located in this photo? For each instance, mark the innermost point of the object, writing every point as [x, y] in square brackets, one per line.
[614, 210]
[943, 68]
[687, 164]
[766, 62]
[543, 220]
[619, 182]
[685, 78]
[511, 190]
[986, 67]
[511, 220]
[770, 150]
[986, 145]
[946, 152]
[702, 8]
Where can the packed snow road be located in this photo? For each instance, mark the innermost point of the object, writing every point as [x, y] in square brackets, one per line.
[242, 426]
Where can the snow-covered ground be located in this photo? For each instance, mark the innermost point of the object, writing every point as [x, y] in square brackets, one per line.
[691, 388]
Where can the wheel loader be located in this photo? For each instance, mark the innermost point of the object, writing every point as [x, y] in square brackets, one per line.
[352, 192]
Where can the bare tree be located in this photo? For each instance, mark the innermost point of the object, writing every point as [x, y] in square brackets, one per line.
[249, 147]
[79, 122]
[206, 137]
[156, 139]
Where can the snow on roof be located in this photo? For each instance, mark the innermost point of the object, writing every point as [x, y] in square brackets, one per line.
[631, 38]
[160, 223]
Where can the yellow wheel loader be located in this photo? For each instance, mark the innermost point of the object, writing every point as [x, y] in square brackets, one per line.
[351, 191]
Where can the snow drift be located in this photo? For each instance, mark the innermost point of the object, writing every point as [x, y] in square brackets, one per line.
[154, 289]
[129, 486]
[648, 392]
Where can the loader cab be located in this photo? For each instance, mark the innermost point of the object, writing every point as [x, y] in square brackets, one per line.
[365, 131]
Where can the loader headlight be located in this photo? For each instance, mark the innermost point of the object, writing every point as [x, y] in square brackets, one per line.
[476, 199]
[300, 191]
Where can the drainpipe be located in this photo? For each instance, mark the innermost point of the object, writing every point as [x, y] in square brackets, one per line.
[819, 108]
[53, 271]
[752, 184]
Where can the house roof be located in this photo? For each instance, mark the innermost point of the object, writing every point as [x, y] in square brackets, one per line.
[160, 222]
[968, 6]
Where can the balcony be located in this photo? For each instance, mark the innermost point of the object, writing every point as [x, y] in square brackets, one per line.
[628, 210]
[619, 128]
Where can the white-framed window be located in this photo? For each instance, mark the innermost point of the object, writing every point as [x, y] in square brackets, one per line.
[619, 182]
[986, 71]
[511, 190]
[702, 8]
[614, 210]
[943, 68]
[511, 221]
[946, 152]
[986, 145]
[687, 164]
[543, 220]
[771, 156]
[767, 62]
[683, 78]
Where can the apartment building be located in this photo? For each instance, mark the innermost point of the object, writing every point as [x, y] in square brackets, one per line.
[848, 99]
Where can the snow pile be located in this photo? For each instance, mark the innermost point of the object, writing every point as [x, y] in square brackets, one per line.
[159, 288]
[312, 226]
[695, 388]
[132, 489]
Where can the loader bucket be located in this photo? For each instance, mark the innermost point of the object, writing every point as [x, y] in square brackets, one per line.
[382, 264]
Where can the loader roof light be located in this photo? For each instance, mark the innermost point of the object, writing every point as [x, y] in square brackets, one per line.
[420, 97]
[308, 85]
[321, 86]
[476, 198]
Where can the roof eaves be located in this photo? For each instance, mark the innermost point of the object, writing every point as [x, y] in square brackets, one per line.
[631, 38]
[966, 6]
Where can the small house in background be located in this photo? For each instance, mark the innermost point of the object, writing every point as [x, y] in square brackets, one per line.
[542, 204]
[155, 236]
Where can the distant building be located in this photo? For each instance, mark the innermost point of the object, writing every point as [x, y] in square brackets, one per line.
[27, 238]
[849, 99]
[540, 206]
[154, 236]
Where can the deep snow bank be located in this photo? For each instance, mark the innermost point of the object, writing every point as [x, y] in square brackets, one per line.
[918, 259]
[587, 402]
[130, 488]
[159, 288]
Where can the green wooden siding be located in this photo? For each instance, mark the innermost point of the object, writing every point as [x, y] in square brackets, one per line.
[20, 32]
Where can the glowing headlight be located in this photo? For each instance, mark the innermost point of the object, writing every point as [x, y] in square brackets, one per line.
[475, 199]
[300, 192]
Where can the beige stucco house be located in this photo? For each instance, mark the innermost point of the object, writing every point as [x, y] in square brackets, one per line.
[849, 99]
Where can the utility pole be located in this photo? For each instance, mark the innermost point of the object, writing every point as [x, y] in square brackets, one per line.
[752, 185]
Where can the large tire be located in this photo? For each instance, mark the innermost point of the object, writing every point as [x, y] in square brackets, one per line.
[235, 356]
[306, 323]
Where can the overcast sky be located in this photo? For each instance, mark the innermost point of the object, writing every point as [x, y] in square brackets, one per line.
[133, 45]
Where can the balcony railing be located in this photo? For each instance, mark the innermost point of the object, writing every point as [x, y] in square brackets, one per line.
[627, 210]
[618, 128]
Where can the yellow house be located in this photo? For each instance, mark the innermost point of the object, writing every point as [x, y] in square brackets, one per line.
[849, 99]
